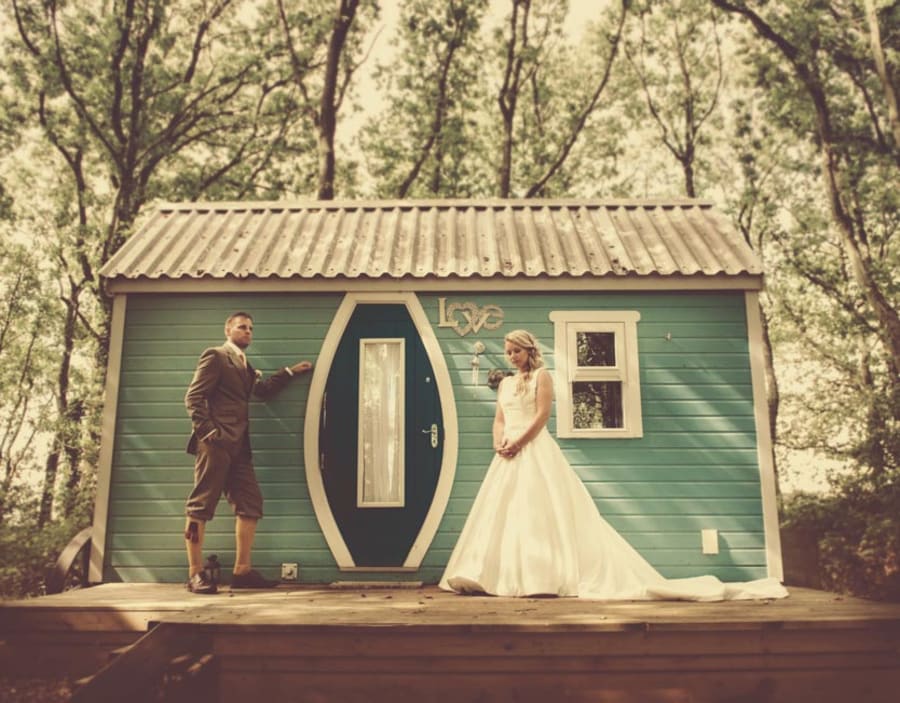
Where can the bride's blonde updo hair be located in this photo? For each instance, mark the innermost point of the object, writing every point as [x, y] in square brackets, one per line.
[528, 342]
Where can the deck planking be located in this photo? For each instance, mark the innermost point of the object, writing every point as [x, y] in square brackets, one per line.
[320, 643]
[135, 605]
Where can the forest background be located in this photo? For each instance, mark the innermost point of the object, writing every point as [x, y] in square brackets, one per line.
[784, 113]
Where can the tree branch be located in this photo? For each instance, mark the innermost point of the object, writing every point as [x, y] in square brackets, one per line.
[581, 120]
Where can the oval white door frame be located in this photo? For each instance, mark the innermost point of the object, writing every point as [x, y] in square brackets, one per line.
[313, 415]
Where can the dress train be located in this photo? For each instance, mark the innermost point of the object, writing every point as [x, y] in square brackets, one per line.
[535, 530]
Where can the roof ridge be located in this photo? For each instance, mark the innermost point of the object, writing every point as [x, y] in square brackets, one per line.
[493, 203]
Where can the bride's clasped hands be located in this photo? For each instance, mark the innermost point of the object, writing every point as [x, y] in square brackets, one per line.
[507, 449]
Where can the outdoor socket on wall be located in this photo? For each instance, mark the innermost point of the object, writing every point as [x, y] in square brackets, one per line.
[710, 541]
[290, 572]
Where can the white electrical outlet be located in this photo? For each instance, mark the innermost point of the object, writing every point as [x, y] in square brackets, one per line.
[290, 572]
[710, 541]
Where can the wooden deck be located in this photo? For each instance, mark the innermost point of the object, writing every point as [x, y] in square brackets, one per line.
[325, 644]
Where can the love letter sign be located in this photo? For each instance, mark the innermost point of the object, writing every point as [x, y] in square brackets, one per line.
[468, 317]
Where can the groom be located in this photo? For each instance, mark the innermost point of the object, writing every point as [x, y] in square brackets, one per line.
[218, 404]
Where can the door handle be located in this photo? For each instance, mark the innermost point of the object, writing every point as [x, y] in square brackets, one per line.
[433, 431]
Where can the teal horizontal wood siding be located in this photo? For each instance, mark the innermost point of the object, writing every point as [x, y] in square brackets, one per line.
[695, 467]
[152, 474]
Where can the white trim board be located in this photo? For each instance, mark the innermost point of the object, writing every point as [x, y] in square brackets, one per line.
[473, 284]
[763, 438]
[107, 439]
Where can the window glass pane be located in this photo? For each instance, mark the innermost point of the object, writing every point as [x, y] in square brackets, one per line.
[597, 405]
[596, 348]
[381, 423]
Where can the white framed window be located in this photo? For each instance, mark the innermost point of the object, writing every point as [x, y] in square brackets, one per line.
[598, 391]
[382, 423]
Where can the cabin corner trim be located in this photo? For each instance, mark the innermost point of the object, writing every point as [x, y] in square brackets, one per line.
[107, 439]
[764, 449]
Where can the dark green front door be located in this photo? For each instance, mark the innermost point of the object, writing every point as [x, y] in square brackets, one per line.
[381, 435]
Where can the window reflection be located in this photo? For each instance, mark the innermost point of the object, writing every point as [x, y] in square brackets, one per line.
[597, 404]
[596, 348]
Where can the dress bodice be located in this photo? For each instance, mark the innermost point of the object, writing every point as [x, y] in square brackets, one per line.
[519, 406]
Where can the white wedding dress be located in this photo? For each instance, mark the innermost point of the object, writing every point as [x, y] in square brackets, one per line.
[534, 530]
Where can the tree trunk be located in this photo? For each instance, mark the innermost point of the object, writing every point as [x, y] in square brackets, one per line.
[437, 125]
[773, 394]
[689, 188]
[874, 453]
[884, 73]
[51, 469]
[889, 327]
[569, 141]
[346, 11]
[5, 487]
[62, 438]
[73, 457]
[508, 97]
[437, 175]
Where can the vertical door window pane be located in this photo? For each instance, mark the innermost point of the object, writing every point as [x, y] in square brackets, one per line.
[381, 423]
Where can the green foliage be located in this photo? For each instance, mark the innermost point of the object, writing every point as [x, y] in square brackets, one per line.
[426, 142]
[674, 75]
[557, 105]
[820, 166]
[816, 131]
[105, 107]
[28, 341]
[29, 552]
[461, 91]
[317, 54]
[171, 100]
[857, 529]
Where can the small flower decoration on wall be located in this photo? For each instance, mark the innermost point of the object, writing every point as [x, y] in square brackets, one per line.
[495, 376]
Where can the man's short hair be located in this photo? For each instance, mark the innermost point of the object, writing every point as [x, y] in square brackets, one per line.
[239, 313]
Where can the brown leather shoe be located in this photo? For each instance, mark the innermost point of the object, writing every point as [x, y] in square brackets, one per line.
[200, 584]
[252, 579]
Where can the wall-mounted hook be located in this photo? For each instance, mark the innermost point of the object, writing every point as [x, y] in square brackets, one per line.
[476, 361]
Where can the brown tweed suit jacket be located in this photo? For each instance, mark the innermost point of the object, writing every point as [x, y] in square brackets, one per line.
[218, 399]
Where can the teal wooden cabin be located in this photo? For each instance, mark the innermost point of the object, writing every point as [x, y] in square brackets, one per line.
[648, 317]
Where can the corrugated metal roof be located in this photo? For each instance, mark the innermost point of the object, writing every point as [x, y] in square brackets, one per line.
[437, 239]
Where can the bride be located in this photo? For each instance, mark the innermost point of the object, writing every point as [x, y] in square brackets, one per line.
[534, 529]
